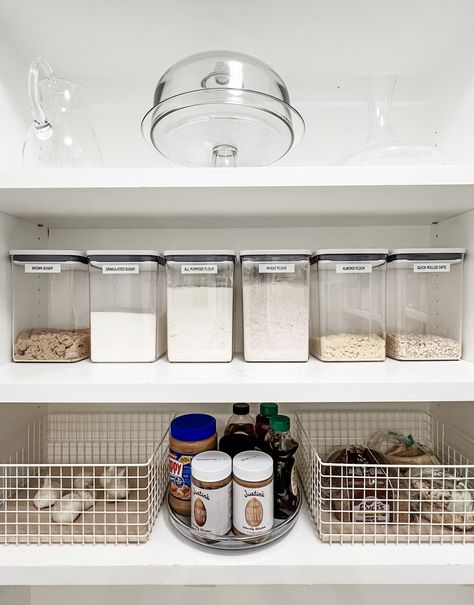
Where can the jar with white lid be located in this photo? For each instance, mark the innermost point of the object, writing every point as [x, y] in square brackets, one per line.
[128, 305]
[211, 495]
[50, 305]
[200, 293]
[253, 502]
[348, 304]
[424, 303]
[275, 298]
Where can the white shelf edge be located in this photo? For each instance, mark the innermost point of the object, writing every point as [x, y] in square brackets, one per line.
[298, 559]
[164, 382]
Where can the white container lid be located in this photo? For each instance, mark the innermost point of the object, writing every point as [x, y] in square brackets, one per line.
[47, 253]
[343, 251]
[211, 466]
[427, 251]
[275, 253]
[124, 253]
[253, 466]
[199, 253]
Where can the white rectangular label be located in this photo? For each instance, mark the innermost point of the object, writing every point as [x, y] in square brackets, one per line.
[276, 268]
[432, 267]
[199, 268]
[43, 268]
[122, 269]
[353, 268]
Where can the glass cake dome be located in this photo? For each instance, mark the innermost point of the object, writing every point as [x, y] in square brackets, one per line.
[220, 108]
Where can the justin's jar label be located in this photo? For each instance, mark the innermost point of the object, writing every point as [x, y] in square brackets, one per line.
[253, 509]
[371, 510]
[211, 509]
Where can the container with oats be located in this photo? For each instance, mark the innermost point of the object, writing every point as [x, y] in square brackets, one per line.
[50, 305]
[348, 305]
[424, 303]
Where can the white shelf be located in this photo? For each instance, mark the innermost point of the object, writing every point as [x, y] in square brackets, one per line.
[168, 559]
[164, 382]
[241, 196]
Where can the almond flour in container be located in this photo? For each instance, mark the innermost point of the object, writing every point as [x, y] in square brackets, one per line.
[424, 303]
[348, 305]
[275, 295]
[252, 493]
[50, 305]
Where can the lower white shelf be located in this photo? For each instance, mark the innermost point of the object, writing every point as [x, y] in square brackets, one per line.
[164, 382]
[299, 559]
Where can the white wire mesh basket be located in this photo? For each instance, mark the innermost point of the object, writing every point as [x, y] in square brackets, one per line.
[115, 464]
[392, 503]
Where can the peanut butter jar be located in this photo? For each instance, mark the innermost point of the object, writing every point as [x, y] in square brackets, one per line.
[252, 493]
[190, 435]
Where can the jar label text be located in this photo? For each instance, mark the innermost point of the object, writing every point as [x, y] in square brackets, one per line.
[43, 268]
[276, 267]
[431, 267]
[199, 268]
[122, 269]
[353, 268]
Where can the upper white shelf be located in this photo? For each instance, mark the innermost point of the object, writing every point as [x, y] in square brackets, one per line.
[299, 559]
[275, 196]
[168, 383]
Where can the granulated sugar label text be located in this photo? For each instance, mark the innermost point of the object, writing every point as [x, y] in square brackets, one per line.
[199, 268]
[353, 268]
[431, 268]
[43, 268]
[276, 268]
[122, 269]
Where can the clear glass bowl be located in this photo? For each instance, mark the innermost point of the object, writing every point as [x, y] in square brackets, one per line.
[221, 108]
[232, 541]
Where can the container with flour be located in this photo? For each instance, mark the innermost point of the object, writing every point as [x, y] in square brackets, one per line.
[128, 305]
[348, 305]
[200, 287]
[275, 289]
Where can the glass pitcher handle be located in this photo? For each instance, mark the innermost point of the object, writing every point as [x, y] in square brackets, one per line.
[42, 126]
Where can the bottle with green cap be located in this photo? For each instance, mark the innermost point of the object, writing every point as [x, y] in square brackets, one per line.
[262, 425]
[281, 446]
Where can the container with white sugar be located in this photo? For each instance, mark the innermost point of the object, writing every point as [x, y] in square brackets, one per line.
[200, 295]
[128, 305]
[348, 304]
[275, 292]
[424, 303]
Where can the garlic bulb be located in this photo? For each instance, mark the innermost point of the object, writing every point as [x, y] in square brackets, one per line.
[48, 494]
[84, 481]
[115, 483]
[67, 509]
[86, 497]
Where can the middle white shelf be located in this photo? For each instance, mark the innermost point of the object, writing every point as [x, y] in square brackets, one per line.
[164, 382]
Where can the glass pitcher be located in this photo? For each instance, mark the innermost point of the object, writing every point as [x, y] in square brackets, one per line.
[61, 135]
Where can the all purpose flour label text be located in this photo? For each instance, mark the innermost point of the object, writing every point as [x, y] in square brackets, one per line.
[121, 269]
[199, 268]
[276, 268]
[353, 268]
[431, 268]
[43, 268]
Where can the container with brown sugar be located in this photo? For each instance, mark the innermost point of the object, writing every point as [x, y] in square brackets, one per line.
[190, 435]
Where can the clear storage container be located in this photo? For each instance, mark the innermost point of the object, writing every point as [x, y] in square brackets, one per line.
[200, 304]
[275, 290]
[424, 303]
[348, 305]
[50, 305]
[128, 305]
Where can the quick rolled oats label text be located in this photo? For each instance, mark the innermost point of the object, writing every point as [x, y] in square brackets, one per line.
[122, 269]
[276, 268]
[431, 267]
[353, 268]
[199, 268]
[43, 268]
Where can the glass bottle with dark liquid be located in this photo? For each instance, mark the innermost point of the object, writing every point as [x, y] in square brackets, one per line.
[262, 425]
[282, 447]
[239, 435]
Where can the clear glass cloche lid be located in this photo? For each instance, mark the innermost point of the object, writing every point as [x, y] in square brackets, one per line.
[220, 108]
